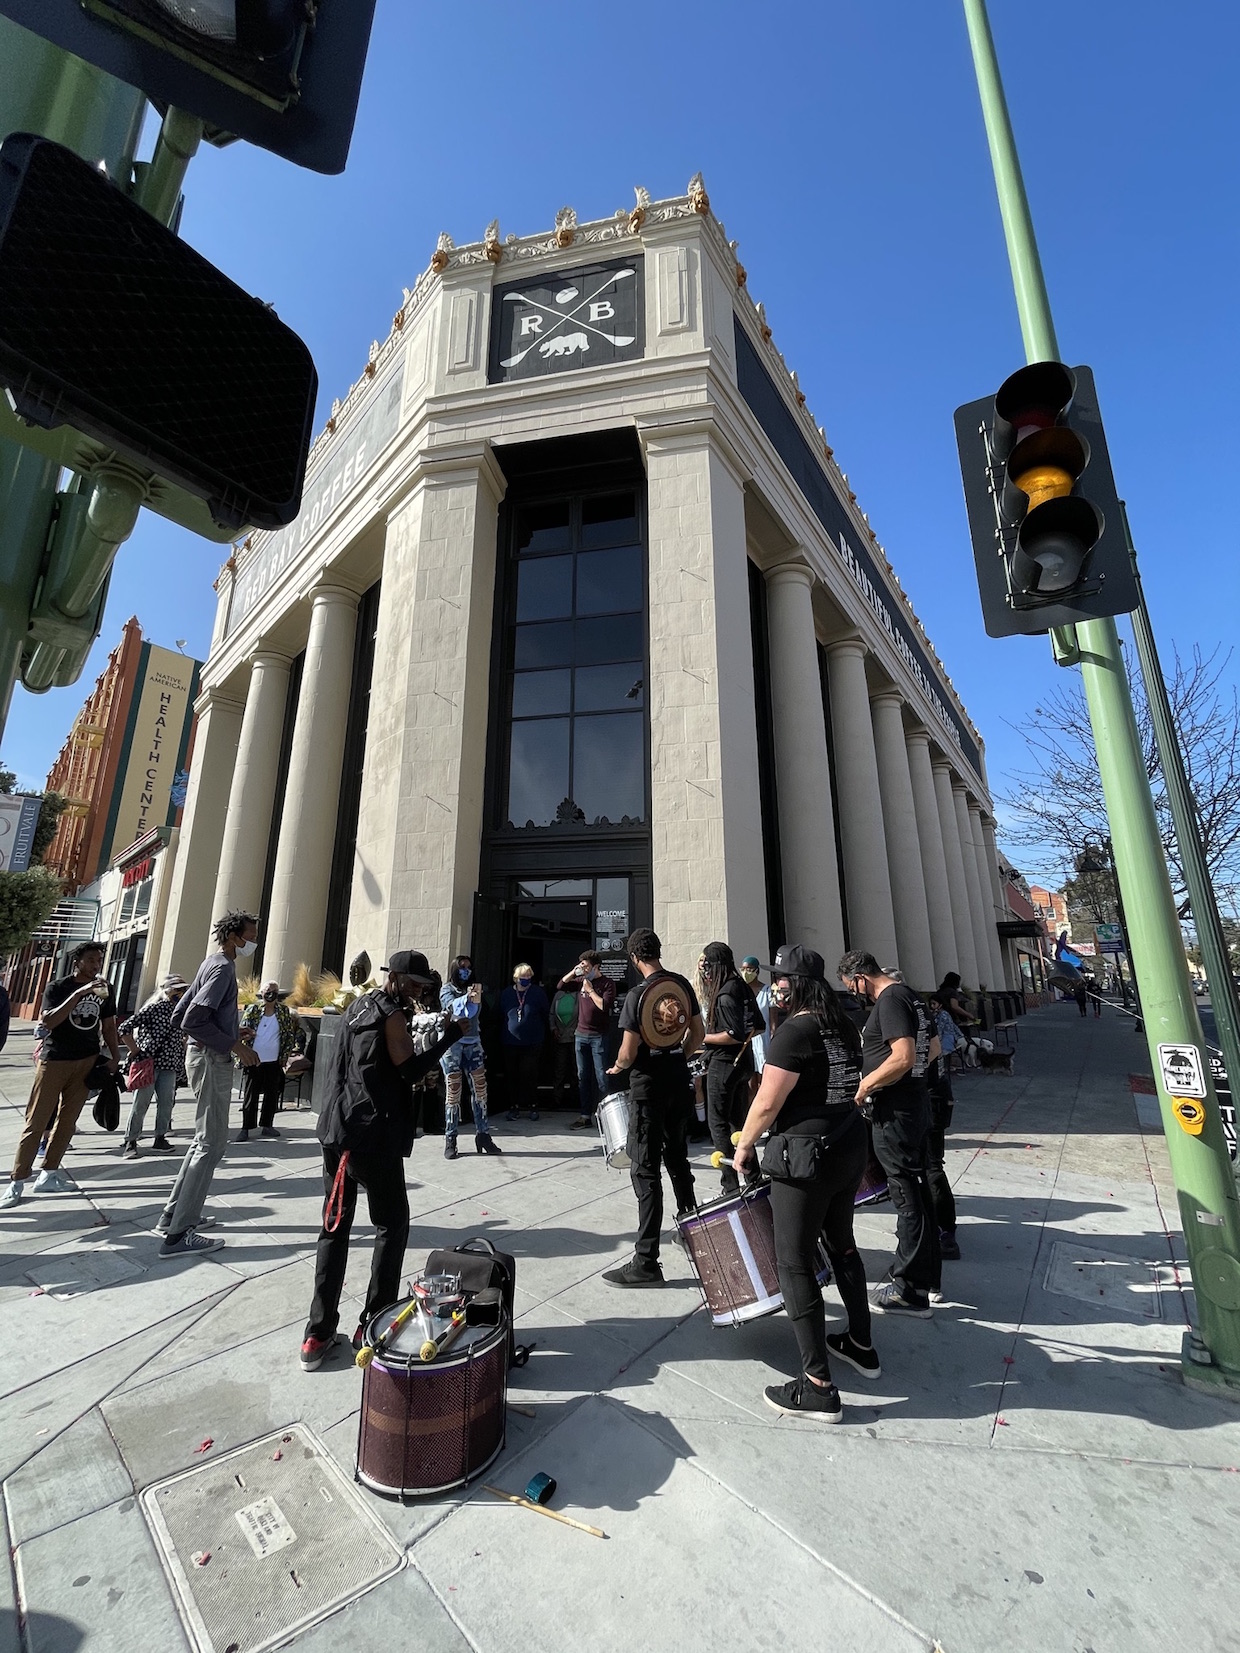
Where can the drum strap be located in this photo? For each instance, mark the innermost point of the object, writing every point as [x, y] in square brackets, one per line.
[333, 1211]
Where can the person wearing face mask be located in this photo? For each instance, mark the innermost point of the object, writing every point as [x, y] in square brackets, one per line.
[275, 1034]
[751, 975]
[525, 1018]
[898, 1045]
[730, 1012]
[460, 996]
[209, 1017]
[367, 1129]
[596, 993]
[150, 1036]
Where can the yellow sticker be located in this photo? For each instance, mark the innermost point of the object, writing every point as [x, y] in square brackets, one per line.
[1191, 1115]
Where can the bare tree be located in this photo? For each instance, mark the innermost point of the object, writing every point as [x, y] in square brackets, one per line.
[1057, 806]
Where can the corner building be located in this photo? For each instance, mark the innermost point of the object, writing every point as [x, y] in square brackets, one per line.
[581, 627]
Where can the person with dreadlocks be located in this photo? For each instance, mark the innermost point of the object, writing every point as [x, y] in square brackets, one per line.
[731, 1016]
[209, 1017]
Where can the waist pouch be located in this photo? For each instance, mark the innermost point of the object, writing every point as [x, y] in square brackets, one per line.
[803, 1158]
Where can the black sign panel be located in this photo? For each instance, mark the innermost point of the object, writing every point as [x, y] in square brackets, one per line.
[576, 318]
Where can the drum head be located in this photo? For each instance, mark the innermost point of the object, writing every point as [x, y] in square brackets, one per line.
[405, 1348]
[663, 1014]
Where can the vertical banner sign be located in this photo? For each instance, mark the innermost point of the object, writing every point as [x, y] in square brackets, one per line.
[151, 763]
[18, 818]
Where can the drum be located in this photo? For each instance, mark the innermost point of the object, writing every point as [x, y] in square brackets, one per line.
[427, 1427]
[613, 1127]
[873, 1186]
[731, 1245]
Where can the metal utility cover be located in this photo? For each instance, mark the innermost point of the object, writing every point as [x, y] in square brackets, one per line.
[1108, 1279]
[264, 1541]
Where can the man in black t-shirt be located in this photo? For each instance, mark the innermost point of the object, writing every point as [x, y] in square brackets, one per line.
[659, 1033]
[77, 1010]
[732, 1018]
[897, 1046]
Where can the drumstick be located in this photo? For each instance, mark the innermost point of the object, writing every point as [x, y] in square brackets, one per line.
[541, 1509]
[366, 1354]
[717, 1160]
[436, 1345]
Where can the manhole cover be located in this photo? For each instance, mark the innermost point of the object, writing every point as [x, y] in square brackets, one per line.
[266, 1540]
[1108, 1279]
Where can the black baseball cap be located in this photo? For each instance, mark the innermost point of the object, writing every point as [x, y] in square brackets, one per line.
[416, 965]
[799, 961]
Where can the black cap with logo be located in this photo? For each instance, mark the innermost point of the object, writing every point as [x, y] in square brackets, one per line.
[799, 961]
[415, 965]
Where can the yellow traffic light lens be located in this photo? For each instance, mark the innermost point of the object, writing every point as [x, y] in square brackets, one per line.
[1043, 482]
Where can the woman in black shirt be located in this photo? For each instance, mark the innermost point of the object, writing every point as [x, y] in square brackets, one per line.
[732, 1018]
[816, 1158]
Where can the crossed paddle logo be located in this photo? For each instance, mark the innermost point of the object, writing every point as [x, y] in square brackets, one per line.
[566, 327]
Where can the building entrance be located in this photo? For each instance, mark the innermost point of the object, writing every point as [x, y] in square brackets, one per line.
[548, 923]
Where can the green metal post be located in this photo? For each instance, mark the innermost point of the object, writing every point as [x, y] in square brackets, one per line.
[1206, 1189]
[1206, 920]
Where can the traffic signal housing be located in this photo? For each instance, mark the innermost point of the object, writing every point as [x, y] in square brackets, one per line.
[112, 325]
[283, 74]
[1044, 517]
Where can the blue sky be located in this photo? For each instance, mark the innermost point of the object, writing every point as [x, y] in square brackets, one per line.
[842, 145]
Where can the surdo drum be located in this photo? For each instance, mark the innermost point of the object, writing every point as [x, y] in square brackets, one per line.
[613, 1127]
[731, 1245]
[426, 1428]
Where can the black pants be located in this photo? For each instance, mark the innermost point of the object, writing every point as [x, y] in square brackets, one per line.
[659, 1105]
[941, 1103]
[263, 1084]
[901, 1133]
[727, 1103]
[564, 1085]
[521, 1071]
[383, 1178]
[804, 1213]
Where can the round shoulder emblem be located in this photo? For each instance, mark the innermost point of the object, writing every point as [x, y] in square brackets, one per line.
[663, 1014]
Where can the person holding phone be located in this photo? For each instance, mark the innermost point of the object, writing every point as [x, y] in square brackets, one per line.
[596, 994]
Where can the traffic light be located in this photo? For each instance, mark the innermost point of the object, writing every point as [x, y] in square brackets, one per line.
[283, 74]
[112, 325]
[1044, 518]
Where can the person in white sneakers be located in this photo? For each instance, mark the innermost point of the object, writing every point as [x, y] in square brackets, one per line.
[77, 1010]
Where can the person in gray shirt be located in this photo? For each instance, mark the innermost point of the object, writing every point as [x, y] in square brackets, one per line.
[209, 1017]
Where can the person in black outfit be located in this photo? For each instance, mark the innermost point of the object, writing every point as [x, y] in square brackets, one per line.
[731, 1018]
[367, 1129]
[942, 1101]
[816, 1157]
[897, 1046]
[660, 1102]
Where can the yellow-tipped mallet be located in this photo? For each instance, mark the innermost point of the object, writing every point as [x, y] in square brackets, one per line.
[436, 1345]
[366, 1353]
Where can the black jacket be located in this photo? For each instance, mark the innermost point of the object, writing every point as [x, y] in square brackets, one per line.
[369, 1106]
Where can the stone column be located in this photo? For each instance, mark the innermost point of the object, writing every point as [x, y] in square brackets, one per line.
[1010, 974]
[247, 825]
[187, 933]
[867, 887]
[908, 884]
[965, 963]
[812, 912]
[706, 815]
[989, 889]
[419, 829]
[933, 855]
[977, 912]
[293, 928]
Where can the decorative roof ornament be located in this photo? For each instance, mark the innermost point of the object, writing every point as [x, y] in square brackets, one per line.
[698, 198]
[638, 215]
[565, 227]
[443, 248]
[762, 322]
[742, 274]
[373, 358]
[491, 244]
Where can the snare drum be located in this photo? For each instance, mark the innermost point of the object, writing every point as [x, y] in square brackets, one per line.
[731, 1245]
[426, 1427]
[613, 1127]
[873, 1186]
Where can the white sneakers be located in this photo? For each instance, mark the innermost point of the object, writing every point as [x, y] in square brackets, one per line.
[11, 1195]
[47, 1182]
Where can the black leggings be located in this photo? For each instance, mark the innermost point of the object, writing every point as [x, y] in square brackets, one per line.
[727, 1103]
[804, 1213]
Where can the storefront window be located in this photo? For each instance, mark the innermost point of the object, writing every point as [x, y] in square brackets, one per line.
[577, 746]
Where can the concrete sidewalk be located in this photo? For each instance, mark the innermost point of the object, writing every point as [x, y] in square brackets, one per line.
[1028, 1473]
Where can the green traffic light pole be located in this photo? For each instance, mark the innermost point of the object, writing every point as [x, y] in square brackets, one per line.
[56, 549]
[1206, 1189]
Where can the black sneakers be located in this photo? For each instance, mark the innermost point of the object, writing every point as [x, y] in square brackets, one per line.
[853, 1354]
[634, 1274]
[889, 1298]
[949, 1247]
[802, 1399]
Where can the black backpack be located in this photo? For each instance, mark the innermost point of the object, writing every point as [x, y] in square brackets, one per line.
[481, 1266]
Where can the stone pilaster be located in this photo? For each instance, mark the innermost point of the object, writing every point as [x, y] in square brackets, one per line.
[867, 888]
[933, 856]
[986, 886]
[293, 929]
[908, 885]
[251, 798]
[812, 912]
[979, 900]
[962, 914]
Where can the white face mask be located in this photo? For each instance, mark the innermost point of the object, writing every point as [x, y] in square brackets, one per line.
[246, 948]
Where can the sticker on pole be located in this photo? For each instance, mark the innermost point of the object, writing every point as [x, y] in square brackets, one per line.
[1182, 1073]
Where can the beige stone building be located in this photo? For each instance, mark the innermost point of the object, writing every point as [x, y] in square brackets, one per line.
[581, 627]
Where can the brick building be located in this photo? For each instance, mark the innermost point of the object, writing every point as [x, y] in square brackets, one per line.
[580, 627]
